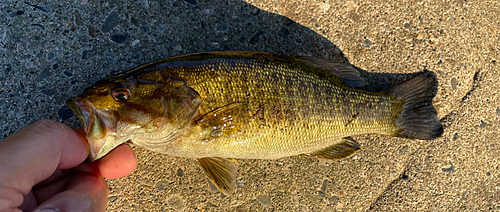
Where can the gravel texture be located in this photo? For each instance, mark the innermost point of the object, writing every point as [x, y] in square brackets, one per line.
[53, 50]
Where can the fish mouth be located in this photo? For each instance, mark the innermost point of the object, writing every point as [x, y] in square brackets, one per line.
[99, 127]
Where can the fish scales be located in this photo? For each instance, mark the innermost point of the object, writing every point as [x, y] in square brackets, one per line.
[300, 113]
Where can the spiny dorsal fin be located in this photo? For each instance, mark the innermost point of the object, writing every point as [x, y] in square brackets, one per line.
[222, 172]
[346, 148]
[347, 72]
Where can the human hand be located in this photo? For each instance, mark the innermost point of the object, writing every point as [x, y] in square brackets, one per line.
[41, 167]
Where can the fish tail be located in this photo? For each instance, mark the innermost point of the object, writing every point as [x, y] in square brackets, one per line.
[418, 118]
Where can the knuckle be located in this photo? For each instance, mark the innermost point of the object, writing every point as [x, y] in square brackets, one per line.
[54, 127]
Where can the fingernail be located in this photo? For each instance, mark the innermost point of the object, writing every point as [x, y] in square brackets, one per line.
[47, 210]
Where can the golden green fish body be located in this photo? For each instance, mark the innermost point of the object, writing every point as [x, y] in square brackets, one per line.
[272, 109]
[254, 105]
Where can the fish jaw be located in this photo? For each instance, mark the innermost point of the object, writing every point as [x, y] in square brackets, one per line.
[99, 127]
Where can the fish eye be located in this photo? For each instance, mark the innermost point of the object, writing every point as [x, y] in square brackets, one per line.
[121, 94]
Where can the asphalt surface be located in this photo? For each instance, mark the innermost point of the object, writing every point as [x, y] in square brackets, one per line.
[52, 50]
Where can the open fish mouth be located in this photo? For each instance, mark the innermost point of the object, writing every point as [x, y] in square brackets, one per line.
[82, 110]
[99, 126]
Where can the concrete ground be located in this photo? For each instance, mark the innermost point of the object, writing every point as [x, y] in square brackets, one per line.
[52, 50]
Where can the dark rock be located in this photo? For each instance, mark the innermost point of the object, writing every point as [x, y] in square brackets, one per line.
[488, 174]
[50, 55]
[284, 33]
[119, 38]
[19, 12]
[482, 125]
[32, 46]
[333, 200]
[112, 198]
[367, 43]
[78, 18]
[264, 200]
[356, 187]
[8, 68]
[92, 32]
[36, 38]
[324, 186]
[177, 4]
[407, 25]
[48, 92]
[450, 169]
[110, 22]
[455, 137]
[180, 173]
[39, 25]
[299, 40]
[85, 54]
[176, 203]
[134, 21]
[65, 113]
[321, 194]
[2, 102]
[43, 9]
[68, 73]
[252, 19]
[222, 28]
[193, 2]
[162, 185]
[255, 38]
[404, 150]
[145, 29]
[110, 57]
[45, 73]
[454, 83]
[55, 66]
[498, 111]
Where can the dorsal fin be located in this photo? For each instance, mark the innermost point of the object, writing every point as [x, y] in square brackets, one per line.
[347, 72]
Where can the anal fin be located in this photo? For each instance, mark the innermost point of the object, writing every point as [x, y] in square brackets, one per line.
[346, 148]
[221, 171]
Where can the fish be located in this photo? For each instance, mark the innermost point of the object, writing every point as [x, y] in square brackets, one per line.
[220, 106]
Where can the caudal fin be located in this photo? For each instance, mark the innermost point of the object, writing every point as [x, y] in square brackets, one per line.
[419, 118]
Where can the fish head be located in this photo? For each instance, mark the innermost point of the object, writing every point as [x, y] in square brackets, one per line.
[145, 112]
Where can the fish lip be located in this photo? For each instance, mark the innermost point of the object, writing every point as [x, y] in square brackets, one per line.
[99, 127]
[82, 110]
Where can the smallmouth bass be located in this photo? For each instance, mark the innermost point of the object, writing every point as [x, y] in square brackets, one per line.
[251, 105]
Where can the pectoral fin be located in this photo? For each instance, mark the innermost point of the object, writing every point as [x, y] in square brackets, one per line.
[222, 172]
[346, 148]
[225, 121]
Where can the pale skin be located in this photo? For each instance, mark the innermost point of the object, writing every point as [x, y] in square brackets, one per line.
[42, 167]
